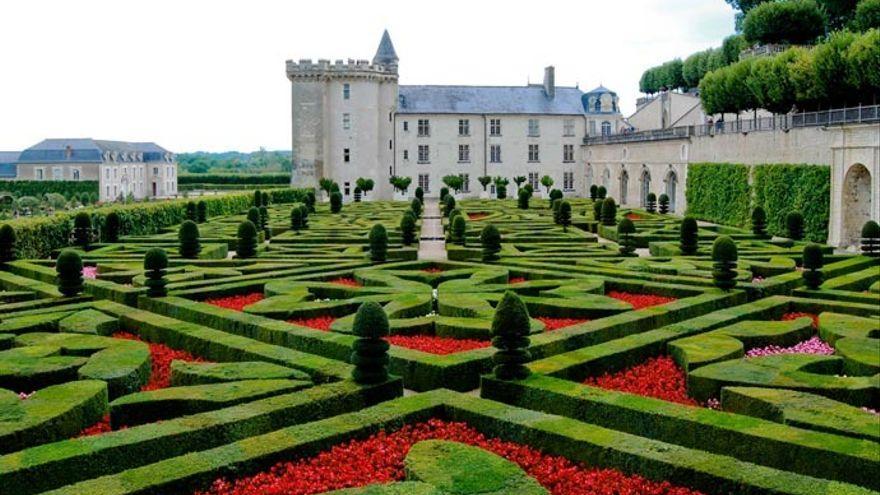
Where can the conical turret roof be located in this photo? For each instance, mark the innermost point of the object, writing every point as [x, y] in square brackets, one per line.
[385, 54]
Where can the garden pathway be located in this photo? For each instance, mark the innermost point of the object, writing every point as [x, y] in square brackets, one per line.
[432, 244]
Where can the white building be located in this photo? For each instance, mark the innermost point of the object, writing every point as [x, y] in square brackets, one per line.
[352, 119]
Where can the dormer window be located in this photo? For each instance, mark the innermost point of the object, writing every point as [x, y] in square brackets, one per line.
[597, 106]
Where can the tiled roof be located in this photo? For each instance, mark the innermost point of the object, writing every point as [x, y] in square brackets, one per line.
[489, 99]
[86, 150]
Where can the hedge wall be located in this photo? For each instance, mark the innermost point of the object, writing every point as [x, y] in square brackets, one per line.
[38, 188]
[240, 179]
[782, 188]
[719, 192]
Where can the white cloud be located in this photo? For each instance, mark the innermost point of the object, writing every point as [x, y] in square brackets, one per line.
[209, 75]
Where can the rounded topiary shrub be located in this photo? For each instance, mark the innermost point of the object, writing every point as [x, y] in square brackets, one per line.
[155, 266]
[609, 212]
[724, 256]
[522, 200]
[501, 191]
[564, 214]
[82, 229]
[594, 192]
[112, 226]
[378, 243]
[335, 202]
[529, 189]
[7, 243]
[601, 192]
[814, 260]
[416, 207]
[202, 211]
[247, 240]
[310, 200]
[651, 202]
[420, 194]
[490, 239]
[597, 210]
[663, 204]
[556, 194]
[871, 239]
[794, 224]
[459, 227]
[253, 216]
[510, 336]
[191, 211]
[759, 222]
[625, 229]
[188, 235]
[688, 238]
[408, 228]
[69, 268]
[444, 191]
[296, 218]
[369, 354]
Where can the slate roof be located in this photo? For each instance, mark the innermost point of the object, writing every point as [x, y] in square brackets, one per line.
[8, 160]
[601, 89]
[489, 99]
[385, 54]
[86, 150]
[9, 156]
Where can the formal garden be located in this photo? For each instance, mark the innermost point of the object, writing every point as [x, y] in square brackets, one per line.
[284, 342]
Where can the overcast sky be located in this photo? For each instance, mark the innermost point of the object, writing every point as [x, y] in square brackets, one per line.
[209, 75]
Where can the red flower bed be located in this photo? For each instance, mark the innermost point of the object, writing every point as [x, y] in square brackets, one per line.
[516, 280]
[318, 323]
[795, 315]
[436, 345]
[236, 302]
[161, 357]
[557, 323]
[640, 301]
[102, 426]
[347, 281]
[633, 216]
[658, 377]
[379, 459]
[477, 216]
[433, 269]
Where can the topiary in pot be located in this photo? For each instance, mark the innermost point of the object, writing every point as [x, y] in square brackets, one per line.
[490, 239]
[111, 227]
[155, 265]
[597, 210]
[378, 243]
[309, 200]
[258, 198]
[459, 227]
[759, 222]
[335, 202]
[625, 229]
[664, 204]
[510, 336]
[688, 237]
[601, 192]
[7, 243]
[408, 228]
[191, 213]
[247, 240]
[416, 207]
[201, 211]
[82, 229]
[296, 218]
[522, 200]
[651, 203]
[794, 224]
[594, 192]
[69, 268]
[564, 214]
[370, 350]
[609, 212]
[724, 267]
[188, 235]
[814, 260]
[871, 239]
[420, 194]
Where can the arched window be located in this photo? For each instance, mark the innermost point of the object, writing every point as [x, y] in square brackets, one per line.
[671, 187]
[646, 187]
[606, 178]
[606, 128]
[624, 185]
[589, 180]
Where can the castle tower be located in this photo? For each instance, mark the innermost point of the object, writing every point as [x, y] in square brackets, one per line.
[343, 120]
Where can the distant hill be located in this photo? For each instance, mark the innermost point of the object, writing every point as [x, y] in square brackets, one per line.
[227, 162]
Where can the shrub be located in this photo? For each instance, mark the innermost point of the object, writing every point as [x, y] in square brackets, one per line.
[556, 194]
[448, 205]
[500, 191]
[335, 202]
[664, 203]
[554, 207]
[253, 216]
[780, 188]
[688, 238]
[69, 268]
[625, 229]
[759, 222]
[264, 217]
[601, 192]
[459, 227]
[597, 210]
[111, 227]
[155, 265]
[871, 239]
[522, 201]
[719, 192]
[247, 240]
[518, 180]
[258, 198]
[7, 243]
[305, 216]
[82, 229]
[510, 331]
[416, 207]
[609, 212]
[484, 181]
[420, 194]
[370, 350]
[490, 239]
[454, 182]
[564, 214]
[296, 218]
[188, 235]
[795, 22]
[724, 269]
[547, 182]
[594, 192]
[234, 179]
[814, 260]
[651, 202]
[867, 15]
[310, 201]
[408, 227]
[265, 199]
[378, 243]
[201, 211]
[794, 224]
[191, 211]
[444, 191]
[529, 189]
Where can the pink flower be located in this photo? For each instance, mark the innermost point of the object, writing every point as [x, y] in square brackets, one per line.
[90, 272]
[25, 395]
[813, 346]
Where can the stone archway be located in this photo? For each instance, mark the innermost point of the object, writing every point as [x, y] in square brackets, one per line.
[671, 188]
[589, 178]
[856, 203]
[624, 184]
[645, 187]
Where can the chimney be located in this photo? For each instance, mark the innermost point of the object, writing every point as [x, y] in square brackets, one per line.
[549, 82]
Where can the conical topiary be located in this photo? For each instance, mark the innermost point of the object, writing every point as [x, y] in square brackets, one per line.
[247, 240]
[871, 239]
[522, 199]
[688, 237]
[554, 207]
[188, 235]
[564, 214]
[408, 227]
[663, 203]
[724, 269]
[601, 192]
[597, 210]
[155, 265]
[490, 239]
[202, 211]
[378, 243]
[594, 192]
[7, 243]
[759, 222]
[609, 212]
[309, 200]
[265, 199]
[794, 223]
[625, 229]
[305, 216]
[253, 215]
[651, 203]
[510, 331]
[814, 260]
[420, 194]
[191, 213]
[296, 218]
[82, 229]
[416, 207]
[69, 268]
[335, 202]
[258, 199]
[111, 227]
[449, 205]
[459, 227]
[264, 217]
[370, 350]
